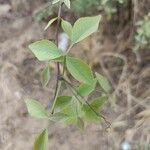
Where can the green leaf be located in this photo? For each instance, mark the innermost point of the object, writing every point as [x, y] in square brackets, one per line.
[70, 120]
[56, 1]
[84, 27]
[50, 23]
[72, 111]
[45, 50]
[80, 123]
[35, 109]
[89, 113]
[41, 142]
[98, 102]
[62, 101]
[45, 76]
[85, 89]
[58, 117]
[67, 3]
[59, 59]
[67, 27]
[80, 70]
[103, 82]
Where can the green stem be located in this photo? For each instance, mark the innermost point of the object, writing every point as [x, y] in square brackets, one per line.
[69, 49]
[58, 84]
[57, 92]
[65, 57]
[64, 65]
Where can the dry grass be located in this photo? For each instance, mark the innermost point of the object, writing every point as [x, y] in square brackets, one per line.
[128, 108]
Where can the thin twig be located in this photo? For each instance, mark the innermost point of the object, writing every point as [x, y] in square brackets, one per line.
[64, 65]
[99, 115]
[56, 95]
[64, 61]
[58, 64]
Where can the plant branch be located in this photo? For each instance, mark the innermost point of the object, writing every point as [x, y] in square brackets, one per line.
[57, 34]
[69, 49]
[77, 93]
[57, 88]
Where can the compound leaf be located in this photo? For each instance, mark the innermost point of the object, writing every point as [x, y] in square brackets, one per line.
[36, 109]
[80, 70]
[41, 142]
[84, 27]
[45, 50]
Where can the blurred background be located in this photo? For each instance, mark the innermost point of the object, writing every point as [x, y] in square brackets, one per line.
[120, 50]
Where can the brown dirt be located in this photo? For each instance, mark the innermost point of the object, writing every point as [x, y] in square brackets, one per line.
[19, 79]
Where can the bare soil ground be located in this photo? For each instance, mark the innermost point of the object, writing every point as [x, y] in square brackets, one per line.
[106, 52]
